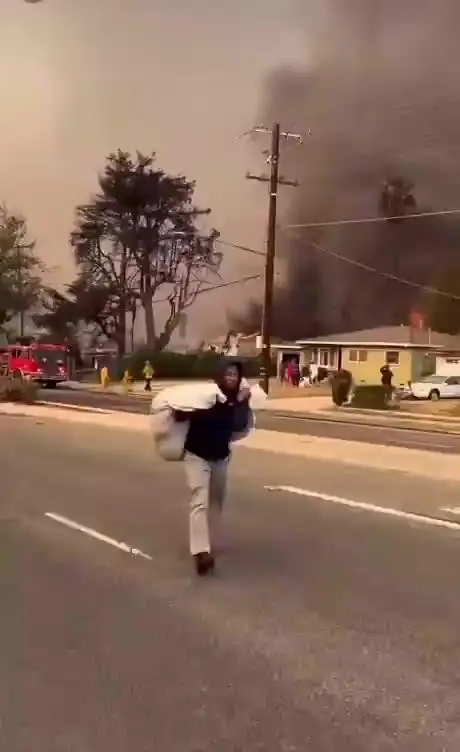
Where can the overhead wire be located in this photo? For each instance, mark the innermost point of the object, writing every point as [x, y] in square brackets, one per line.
[354, 262]
[335, 254]
[371, 220]
[219, 286]
[386, 275]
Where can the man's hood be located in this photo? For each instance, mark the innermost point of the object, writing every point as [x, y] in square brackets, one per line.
[223, 365]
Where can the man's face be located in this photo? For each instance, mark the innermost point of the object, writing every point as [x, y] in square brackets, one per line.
[231, 377]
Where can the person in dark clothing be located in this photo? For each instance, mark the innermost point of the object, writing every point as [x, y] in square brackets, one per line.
[387, 375]
[387, 380]
[207, 455]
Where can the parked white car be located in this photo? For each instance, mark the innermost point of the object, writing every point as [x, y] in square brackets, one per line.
[436, 387]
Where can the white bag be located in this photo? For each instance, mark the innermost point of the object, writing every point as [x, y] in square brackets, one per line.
[169, 435]
[187, 397]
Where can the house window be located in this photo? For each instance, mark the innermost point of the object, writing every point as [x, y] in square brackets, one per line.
[392, 357]
[357, 356]
[324, 358]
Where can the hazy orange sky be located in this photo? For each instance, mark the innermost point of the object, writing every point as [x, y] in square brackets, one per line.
[181, 77]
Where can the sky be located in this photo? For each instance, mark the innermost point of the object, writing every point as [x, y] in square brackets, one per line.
[182, 78]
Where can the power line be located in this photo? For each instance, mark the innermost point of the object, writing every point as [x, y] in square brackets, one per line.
[239, 281]
[372, 220]
[387, 275]
[240, 247]
[212, 288]
[360, 265]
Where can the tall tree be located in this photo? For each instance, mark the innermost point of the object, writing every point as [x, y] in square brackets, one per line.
[395, 202]
[397, 199]
[20, 268]
[137, 240]
[82, 302]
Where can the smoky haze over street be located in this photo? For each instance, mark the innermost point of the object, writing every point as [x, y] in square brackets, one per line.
[374, 81]
[379, 91]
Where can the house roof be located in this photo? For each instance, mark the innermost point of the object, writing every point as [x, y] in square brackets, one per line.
[389, 336]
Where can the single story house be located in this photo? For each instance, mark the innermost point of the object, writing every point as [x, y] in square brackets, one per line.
[409, 352]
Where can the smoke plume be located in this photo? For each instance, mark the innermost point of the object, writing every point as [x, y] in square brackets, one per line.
[379, 91]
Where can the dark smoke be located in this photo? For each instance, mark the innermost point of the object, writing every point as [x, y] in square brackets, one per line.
[380, 91]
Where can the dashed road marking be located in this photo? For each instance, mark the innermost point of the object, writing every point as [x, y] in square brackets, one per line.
[388, 511]
[127, 549]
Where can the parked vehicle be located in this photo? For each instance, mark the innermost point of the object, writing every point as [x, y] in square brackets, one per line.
[43, 363]
[436, 387]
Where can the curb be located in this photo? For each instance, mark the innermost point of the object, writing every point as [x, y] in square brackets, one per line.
[419, 427]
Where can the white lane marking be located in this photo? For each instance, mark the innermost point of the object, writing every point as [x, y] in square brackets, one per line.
[83, 408]
[389, 511]
[98, 536]
[451, 510]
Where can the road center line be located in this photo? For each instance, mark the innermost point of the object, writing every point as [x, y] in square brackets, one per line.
[388, 511]
[98, 536]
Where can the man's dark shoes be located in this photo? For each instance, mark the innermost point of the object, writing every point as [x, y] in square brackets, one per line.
[204, 563]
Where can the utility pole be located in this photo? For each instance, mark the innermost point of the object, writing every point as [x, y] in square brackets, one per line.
[20, 290]
[274, 179]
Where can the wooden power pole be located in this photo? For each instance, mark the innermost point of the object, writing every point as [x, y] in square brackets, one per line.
[274, 180]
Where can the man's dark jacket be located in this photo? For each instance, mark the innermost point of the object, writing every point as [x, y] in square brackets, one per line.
[211, 430]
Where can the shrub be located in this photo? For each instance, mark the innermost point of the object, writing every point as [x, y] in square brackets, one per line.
[372, 397]
[340, 385]
[170, 365]
[17, 390]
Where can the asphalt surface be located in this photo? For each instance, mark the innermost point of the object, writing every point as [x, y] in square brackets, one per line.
[325, 628]
[436, 442]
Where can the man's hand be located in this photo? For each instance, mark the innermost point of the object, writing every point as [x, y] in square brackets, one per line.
[244, 393]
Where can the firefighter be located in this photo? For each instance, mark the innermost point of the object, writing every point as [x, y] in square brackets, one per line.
[148, 374]
[104, 377]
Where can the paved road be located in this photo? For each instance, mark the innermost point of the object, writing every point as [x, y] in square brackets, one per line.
[436, 442]
[325, 628]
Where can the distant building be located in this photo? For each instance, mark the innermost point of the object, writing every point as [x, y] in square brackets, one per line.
[235, 343]
[409, 352]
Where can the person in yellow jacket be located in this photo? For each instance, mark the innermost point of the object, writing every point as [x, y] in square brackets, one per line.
[148, 374]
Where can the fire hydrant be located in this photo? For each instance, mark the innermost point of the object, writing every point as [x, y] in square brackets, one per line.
[104, 376]
[128, 381]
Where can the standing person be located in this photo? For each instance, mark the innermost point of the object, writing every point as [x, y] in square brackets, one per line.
[207, 456]
[148, 374]
[282, 373]
[387, 380]
[313, 373]
[290, 372]
[295, 373]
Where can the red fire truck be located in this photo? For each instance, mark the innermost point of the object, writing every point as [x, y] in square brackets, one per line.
[43, 363]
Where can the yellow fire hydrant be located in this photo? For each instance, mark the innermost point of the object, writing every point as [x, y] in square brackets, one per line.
[128, 381]
[104, 375]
